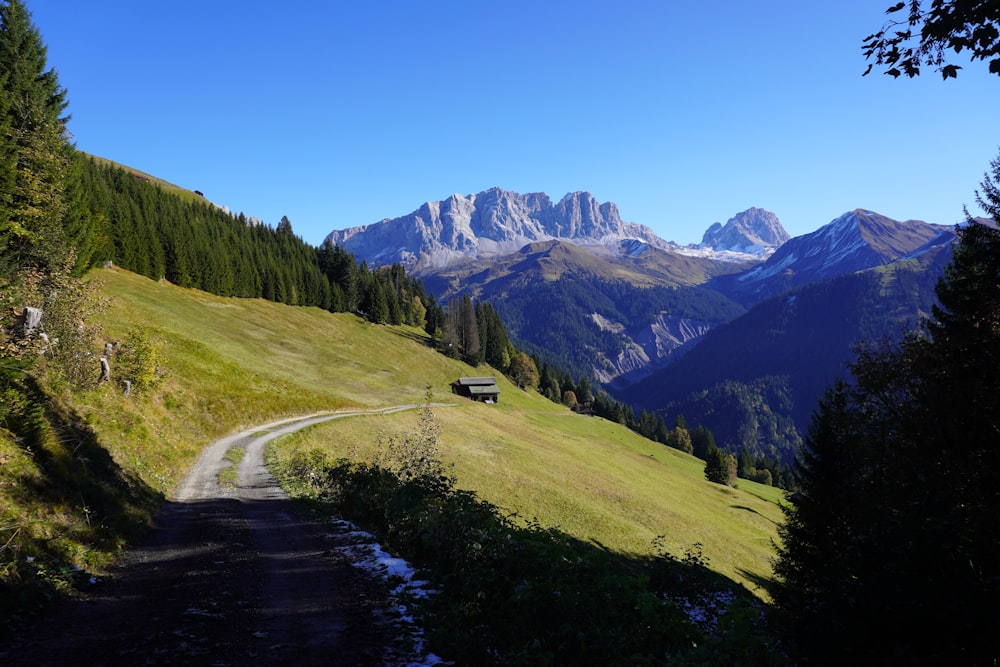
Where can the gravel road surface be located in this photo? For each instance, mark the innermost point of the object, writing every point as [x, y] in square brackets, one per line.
[229, 576]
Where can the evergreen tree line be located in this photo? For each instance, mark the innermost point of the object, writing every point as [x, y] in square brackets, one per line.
[891, 548]
[123, 218]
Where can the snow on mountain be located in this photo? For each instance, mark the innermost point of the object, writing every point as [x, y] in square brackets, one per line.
[857, 240]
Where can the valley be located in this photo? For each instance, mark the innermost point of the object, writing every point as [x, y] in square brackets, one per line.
[740, 334]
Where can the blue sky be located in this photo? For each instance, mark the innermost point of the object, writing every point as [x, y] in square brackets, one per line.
[339, 114]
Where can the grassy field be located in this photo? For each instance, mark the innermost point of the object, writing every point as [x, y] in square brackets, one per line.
[586, 476]
[231, 363]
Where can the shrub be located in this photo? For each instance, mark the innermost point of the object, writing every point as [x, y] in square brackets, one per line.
[512, 592]
[138, 360]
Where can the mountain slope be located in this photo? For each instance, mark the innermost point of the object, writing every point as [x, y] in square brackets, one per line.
[856, 240]
[600, 315]
[786, 350]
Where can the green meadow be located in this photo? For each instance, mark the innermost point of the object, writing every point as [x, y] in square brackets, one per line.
[227, 364]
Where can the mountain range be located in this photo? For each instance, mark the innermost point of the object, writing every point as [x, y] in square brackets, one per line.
[498, 222]
[740, 333]
[491, 223]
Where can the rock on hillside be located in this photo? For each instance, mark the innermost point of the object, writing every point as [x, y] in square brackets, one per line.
[491, 223]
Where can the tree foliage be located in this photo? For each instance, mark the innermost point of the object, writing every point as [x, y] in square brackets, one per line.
[925, 33]
[891, 549]
[34, 146]
[720, 467]
[523, 371]
[36, 259]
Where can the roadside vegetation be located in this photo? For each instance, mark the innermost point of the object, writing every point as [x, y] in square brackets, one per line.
[510, 590]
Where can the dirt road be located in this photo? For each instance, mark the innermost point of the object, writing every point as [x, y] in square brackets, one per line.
[229, 576]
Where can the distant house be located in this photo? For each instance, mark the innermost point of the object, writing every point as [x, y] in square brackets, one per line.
[484, 390]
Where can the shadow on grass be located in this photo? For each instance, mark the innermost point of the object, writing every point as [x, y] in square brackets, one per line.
[509, 591]
[753, 511]
[765, 584]
[424, 340]
[82, 501]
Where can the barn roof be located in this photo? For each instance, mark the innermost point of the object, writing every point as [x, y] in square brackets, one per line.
[476, 382]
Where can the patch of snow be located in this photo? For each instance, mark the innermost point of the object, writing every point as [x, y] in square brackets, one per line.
[706, 609]
[725, 255]
[765, 271]
[633, 247]
[366, 554]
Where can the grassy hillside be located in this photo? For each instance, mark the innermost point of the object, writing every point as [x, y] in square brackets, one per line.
[551, 260]
[183, 193]
[230, 363]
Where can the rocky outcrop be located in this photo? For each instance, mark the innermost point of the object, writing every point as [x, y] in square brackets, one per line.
[491, 223]
[754, 231]
[647, 347]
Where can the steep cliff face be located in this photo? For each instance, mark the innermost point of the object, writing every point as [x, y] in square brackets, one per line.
[646, 346]
[493, 222]
[755, 231]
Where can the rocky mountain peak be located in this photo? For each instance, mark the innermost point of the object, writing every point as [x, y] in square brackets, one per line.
[855, 241]
[490, 223]
[755, 231]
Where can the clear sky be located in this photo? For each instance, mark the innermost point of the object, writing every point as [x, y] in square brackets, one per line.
[341, 113]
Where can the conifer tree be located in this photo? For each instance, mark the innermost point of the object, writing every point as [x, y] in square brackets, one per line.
[493, 337]
[468, 330]
[377, 305]
[702, 442]
[891, 548]
[34, 146]
[818, 557]
[434, 320]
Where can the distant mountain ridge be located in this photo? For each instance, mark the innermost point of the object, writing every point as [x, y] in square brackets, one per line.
[491, 223]
[855, 241]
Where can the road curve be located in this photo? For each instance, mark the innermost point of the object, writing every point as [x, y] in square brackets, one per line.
[227, 576]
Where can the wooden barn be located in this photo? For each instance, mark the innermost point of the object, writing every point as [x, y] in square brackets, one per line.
[484, 390]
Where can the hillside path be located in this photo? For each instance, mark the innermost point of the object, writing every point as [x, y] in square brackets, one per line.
[228, 576]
